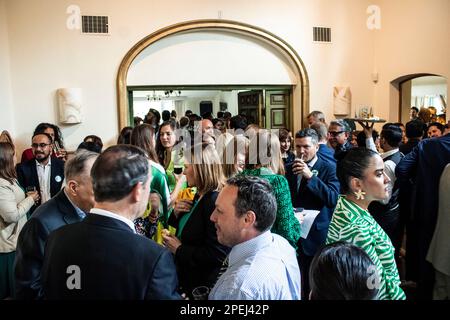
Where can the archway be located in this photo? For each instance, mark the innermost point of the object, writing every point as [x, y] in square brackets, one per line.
[399, 89]
[300, 96]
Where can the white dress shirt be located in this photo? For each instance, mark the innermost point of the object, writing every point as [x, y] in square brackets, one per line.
[389, 166]
[389, 169]
[44, 176]
[114, 216]
[310, 165]
[263, 268]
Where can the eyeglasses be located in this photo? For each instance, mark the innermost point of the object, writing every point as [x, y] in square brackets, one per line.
[335, 133]
[42, 145]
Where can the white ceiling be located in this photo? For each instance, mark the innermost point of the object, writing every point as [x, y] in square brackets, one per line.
[429, 81]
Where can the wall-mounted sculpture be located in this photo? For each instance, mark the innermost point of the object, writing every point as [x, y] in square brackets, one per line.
[69, 104]
[342, 99]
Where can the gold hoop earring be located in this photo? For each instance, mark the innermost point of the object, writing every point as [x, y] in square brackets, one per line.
[359, 195]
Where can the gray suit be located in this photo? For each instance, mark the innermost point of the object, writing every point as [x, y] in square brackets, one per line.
[439, 251]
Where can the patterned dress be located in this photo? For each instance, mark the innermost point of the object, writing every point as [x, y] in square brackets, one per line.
[158, 185]
[286, 224]
[353, 224]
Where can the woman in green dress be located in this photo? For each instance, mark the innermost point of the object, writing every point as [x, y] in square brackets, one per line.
[143, 136]
[263, 159]
[168, 150]
[361, 174]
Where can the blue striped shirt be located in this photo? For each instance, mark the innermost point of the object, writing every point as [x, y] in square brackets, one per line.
[263, 268]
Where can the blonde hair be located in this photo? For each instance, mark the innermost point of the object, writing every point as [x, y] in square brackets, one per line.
[207, 168]
[239, 144]
[264, 150]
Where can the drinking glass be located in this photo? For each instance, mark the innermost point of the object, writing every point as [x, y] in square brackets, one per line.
[30, 188]
[200, 293]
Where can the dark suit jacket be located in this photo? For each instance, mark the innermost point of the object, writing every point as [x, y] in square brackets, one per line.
[326, 153]
[53, 214]
[319, 193]
[424, 165]
[113, 261]
[200, 256]
[27, 176]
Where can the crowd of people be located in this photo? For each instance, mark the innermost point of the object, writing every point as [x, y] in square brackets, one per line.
[219, 203]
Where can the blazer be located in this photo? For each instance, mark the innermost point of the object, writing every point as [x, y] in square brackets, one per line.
[200, 255]
[424, 165]
[14, 206]
[439, 251]
[27, 176]
[102, 258]
[326, 153]
[319, 193]
[53, 214]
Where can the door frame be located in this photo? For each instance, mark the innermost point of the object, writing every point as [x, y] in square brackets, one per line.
[300, 99]
[396, 87]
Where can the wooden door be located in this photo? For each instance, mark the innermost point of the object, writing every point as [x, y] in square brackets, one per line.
[277, 109]
[250, 104]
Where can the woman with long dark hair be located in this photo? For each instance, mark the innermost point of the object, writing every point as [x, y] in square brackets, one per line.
[169, 151]
[143, 136]
[57, 140]
[362, 178]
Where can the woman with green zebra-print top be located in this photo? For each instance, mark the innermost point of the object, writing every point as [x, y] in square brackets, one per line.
[361, 174]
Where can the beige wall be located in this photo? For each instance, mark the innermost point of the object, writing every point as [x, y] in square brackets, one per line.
[44, 55]
[6, 105]
[414, 38]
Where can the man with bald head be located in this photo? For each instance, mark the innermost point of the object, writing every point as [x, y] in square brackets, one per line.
[206, 129]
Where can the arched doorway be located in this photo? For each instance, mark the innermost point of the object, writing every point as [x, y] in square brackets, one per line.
[401, 91]
[300, 95]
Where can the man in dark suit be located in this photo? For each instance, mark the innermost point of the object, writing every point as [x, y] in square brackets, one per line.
[424, 165]
[44, 172]
[70, 205]
[102, 257]
[414, 133]
[314, 186]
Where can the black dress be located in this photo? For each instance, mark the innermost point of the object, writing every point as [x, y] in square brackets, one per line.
[200, 256]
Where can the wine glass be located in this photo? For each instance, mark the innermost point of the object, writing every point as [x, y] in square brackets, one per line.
[200, 293]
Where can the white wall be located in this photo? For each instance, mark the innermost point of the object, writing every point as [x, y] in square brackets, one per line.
[428, 90]
[208, 58]
[6, 105]
[44, 55]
